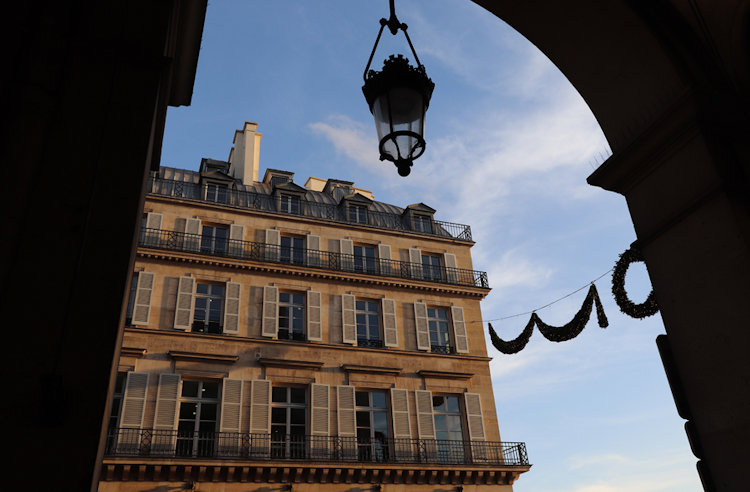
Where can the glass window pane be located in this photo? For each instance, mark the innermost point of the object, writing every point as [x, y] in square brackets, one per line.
[278, 394]
[278, 415]
[208, 411]
[210, 389]
[380, 423]
[202, 288]
[363, 419]
[190, 388]
[438, 402]
[362, 398]
[298, 395]
[188, 410]
[378, 399]
[451, 404]
[297, 416]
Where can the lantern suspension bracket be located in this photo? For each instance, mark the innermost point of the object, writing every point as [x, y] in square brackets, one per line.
[393, 25]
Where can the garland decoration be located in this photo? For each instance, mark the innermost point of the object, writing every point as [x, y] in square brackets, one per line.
[649, 307]
[563, 333]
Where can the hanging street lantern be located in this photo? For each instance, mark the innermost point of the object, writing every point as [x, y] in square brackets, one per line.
[398, 96]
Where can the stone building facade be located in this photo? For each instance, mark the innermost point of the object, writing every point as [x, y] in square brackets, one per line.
[287, 337]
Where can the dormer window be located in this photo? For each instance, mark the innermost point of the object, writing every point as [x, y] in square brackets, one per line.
[422, 223]
[357, 214]
[216, 192]
[277, 180]
[289, 204]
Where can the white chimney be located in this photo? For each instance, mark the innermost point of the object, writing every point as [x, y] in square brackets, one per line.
[245, 154]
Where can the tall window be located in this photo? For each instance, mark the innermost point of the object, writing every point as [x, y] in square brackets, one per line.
[216, 193]
[209, 308]
[292, 250]
[422, 223]
[358, 214]
[287, 422]
[114, 414]
[372, 425]
[289, 204]
[291, 316]
[431, 267]
[440, 341]
[131, 300]
[448, 428]
[364, 259]
[368, 324]
[214, 240]
[196, 427]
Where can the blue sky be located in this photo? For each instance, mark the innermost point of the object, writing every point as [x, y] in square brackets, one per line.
[509, 146]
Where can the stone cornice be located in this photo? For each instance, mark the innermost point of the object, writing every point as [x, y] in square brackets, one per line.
[133, 352]
[390, 371]
[290, 364]
[445, 374]
[202, 357]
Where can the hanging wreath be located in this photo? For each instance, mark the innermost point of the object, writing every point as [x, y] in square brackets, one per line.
[649, 307]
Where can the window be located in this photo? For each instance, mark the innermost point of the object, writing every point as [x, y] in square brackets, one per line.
[196, 425]
[291, 316]
[448, 428]
[431, 267]
[288, 422]
[368, 324]
[292, 250]
[214, 240]
[372, 425]
[216, 193]
[114, 414]
[131, 300]
[437, 319]
[364, 259]
[358, 214]
[422, 223]
[209, 308]
[277, 180]
[289, 203]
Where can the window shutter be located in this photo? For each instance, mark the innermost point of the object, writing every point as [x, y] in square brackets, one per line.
[260, 406]
[347, 254]
[474, 416]
[400, 414]
[459, 330]
[451, 272]
[415, 260]
[384, 257]
[273, 245]
[183, 313]
[270, 311]
[134, 400]
[165, 416]
[390, 331]
[346, 419]
[314, 326]
[422, 328]
[153, 220]
[313, 250]
[153, 225]
[425, 422]
[232, 308]
[236, 240]
[142, 304]
[348, 319]
[192, 235]
[231, 405]
[319, 408]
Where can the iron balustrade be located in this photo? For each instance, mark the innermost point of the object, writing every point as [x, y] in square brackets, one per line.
[247, 250]
[305, 208]
[159, 443]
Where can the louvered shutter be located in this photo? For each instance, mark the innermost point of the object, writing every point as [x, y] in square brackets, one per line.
[476, 425]
[142, 305]
[348, 319]
[451, 272]
[165, 415]
[232, 308]
[384, 257]
[346, 420]
[400, 413]
[422, 328]
[273, 245]
[390, 330]
[425, 422]
[347, 254]
[319, 421]
[230, 440]
[131, 415]
[314, 325]
[192, 235]
[459, 330]
[260, 418]
[270, 311]
[183, 313]
[236, 240]
[312, 244]
[152, 233]
[415, 261]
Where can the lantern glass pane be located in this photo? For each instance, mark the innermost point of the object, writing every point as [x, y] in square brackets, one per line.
[400, 109]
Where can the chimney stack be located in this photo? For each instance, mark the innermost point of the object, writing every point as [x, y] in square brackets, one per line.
[245, 153]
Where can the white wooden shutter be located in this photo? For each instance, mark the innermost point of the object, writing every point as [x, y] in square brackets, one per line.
[415, 260]
[270, 311]
[153, 220]
[312, 244]
[236, 240]
[422, 328]
[165, 416]
[425, 422]
[314, 325]
[390, 330]
[459, 330]
[319, 421]
[183, 313]
[474, 416]
[348, 319]
[260, 406]
[273, 245]
[347, 254]
[232, 308]
[192, 234]
[400, 413]
[142, 304]
[134, 400]
[153, 225]
[451, 272]
[231, 405]
[384, 257]
[346, 420]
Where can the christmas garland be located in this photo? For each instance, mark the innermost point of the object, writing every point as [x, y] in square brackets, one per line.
[649, 307]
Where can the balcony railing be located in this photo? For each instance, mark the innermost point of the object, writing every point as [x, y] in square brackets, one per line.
[305, 208]
[277, 447]
[247, 250]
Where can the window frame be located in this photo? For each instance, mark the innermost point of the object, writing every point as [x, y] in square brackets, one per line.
[285, 445]
[210, 244]
[293, 253]
[211, 298]
[292, 334]
[217, 190]
[433, 269]
[372, 447]
[357, 214]
[367, 340]
[436, 345]
[362, 262]
[202, 442]
[450, 450]
[290, 203]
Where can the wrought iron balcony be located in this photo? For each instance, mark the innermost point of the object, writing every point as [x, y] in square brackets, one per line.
[305, 208]
[247, 250]
[278, 447]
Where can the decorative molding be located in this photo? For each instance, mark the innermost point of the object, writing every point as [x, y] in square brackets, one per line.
[391, 371]
[202, 357]
[133, 352]
[445, 374]
[290, 364]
